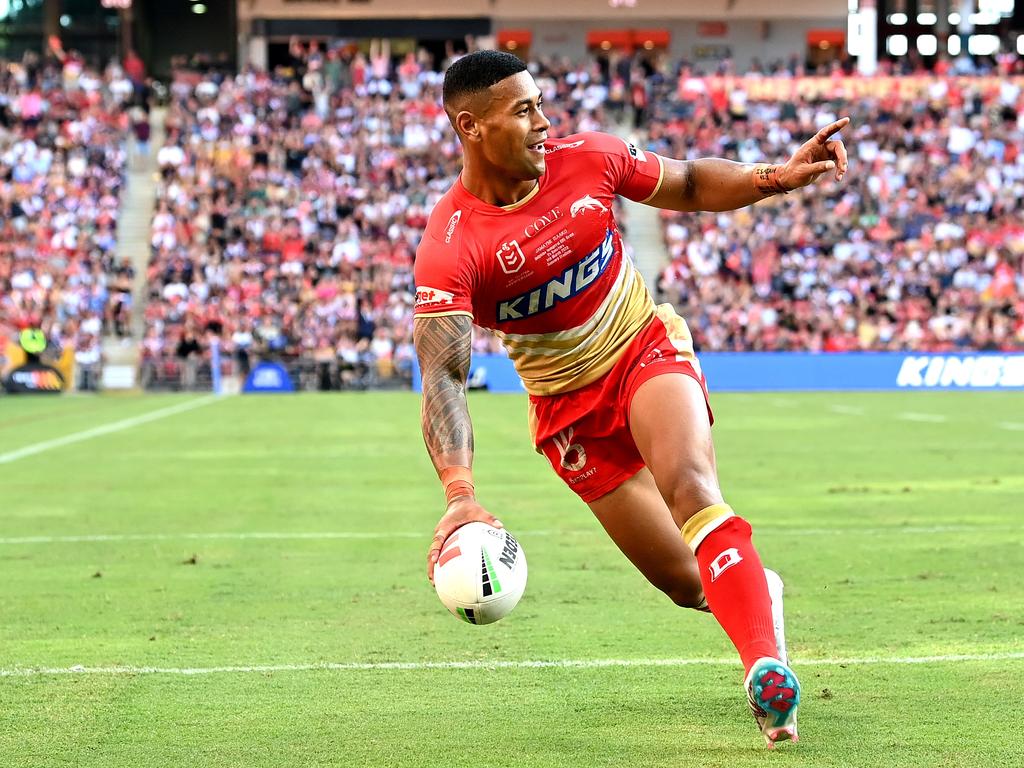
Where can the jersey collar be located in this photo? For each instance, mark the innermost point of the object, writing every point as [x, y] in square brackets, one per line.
[469, 200]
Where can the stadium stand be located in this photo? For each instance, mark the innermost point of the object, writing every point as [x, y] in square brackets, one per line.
[919, 249]
[290, 204]
[289, 212]
[62, 129]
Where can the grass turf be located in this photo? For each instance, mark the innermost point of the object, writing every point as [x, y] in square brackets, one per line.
[896, 520]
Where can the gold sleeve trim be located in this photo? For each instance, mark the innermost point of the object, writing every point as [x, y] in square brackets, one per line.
[443, 314]
[661, 180]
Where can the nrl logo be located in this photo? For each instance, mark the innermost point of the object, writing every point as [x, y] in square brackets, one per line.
[511, 257]
[584, 204]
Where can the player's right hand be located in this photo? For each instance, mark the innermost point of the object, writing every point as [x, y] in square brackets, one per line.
[462, 510]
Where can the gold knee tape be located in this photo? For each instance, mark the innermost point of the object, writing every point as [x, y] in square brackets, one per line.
[697, 528]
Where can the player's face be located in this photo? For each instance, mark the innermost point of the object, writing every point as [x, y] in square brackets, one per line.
[514, 128]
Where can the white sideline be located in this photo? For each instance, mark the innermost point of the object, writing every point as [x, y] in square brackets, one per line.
[1011, 425]
[106, 429]
[269, 535]
[413, 666]
[365, 535]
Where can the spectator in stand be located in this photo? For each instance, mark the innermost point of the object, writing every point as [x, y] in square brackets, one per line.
[87, 364]
[188, 352]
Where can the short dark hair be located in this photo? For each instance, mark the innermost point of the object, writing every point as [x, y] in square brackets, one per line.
[477, 72]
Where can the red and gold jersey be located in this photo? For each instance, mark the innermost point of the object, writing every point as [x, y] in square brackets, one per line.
[547, 274]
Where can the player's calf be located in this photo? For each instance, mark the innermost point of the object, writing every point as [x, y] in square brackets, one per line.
[733, 580]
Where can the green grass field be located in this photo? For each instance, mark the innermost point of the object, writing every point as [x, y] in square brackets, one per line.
[240, 582]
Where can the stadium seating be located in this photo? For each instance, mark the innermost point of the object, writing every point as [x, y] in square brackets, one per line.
[920, 248]
[290, 205]
[61, 170]
[288, 216]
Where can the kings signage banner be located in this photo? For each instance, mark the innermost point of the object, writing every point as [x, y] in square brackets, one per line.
[809, 372]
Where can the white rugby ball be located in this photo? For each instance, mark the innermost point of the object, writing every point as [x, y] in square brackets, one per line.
[481, 573]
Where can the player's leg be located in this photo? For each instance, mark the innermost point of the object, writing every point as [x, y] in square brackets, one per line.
[670, 425]
[641, 525]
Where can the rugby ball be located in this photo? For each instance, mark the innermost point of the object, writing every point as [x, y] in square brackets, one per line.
[481, 573]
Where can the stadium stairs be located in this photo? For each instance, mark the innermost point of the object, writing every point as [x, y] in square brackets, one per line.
[121, 355]
[643, 229]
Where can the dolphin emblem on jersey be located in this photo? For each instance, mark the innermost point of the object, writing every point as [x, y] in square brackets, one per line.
[511, 257]
[584, 204]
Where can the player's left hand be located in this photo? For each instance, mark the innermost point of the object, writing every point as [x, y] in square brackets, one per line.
[819, 155]
[461, 510]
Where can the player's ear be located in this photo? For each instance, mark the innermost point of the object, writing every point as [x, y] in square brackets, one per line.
[468, 125]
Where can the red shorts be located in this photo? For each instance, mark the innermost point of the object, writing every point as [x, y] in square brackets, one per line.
[585, 433]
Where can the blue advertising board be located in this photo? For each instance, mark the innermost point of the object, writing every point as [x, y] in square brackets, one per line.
[808, 371]
[268, 377]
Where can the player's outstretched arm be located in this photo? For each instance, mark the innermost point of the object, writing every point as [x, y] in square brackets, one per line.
[714, 184]
[444, 345]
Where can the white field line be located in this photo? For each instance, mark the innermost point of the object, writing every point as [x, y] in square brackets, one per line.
[1011, 425]
[271, 535]
[415, 666]
[106, 429]
[369, 535]
[372, 535]
[930, 418]
[914, 530]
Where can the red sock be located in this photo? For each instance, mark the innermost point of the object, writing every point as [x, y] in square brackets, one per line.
[736, 590]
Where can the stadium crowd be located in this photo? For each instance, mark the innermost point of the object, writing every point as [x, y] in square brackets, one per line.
[289, 212]
[920, 248]
[62, 128]
[290, 205]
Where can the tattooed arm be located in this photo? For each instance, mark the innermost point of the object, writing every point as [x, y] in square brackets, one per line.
[714, 184]
[443, 345]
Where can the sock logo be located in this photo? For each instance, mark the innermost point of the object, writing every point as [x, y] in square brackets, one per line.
[726, 560]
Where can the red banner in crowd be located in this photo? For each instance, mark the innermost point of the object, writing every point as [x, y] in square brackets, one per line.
[852, 88]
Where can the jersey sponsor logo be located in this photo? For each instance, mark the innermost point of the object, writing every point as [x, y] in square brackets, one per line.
[573, 281]
[967, 371]
[560, 147]
[584, 204]
[537, 225]
[426, 296]
[726, 560]
[573, 457]
[511, 257]
[453, 222]
[636, 152]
